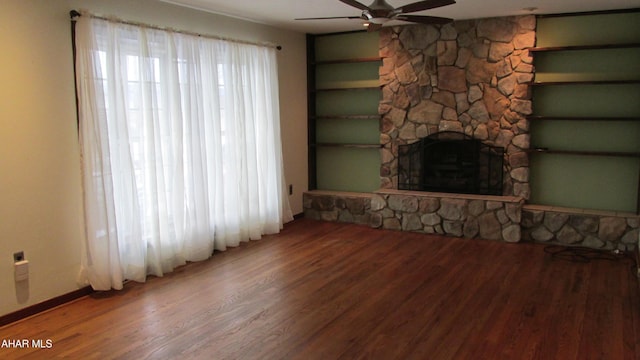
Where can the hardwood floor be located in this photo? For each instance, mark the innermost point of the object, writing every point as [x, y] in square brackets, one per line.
[339, 291]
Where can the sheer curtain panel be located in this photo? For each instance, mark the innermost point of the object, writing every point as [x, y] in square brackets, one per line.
[181, 148]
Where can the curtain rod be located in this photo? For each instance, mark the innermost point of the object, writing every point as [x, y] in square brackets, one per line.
[75, 14]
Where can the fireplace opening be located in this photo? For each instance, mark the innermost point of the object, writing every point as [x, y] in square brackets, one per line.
[451, 162]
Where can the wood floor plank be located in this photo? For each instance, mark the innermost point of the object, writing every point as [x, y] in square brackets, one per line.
[322, 290]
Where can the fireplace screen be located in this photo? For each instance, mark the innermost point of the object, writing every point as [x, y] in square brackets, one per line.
[451, 162]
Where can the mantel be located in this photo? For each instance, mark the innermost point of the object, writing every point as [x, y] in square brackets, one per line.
[427, 194]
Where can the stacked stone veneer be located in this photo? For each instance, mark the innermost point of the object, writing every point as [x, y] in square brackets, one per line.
[468, 76]
[469, 216]
[503, 218]
[340, 207]
[592, 229]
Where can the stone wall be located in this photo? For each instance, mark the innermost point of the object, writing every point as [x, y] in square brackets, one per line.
[468, 76]
[592, 229]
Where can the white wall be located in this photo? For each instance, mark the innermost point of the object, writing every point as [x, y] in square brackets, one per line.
[40, 190]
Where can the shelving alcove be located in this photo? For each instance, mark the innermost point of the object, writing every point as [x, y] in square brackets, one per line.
[586, 122]
[343, 120]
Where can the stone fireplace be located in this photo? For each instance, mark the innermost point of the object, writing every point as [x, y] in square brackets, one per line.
[469, 80]
[470, 77]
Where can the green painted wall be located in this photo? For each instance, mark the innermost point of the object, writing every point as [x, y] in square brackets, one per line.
[355, 102]
[348, 131]
[587, 30]
[588, 182]
[346, 46]
[604, 64]
[587, 100]
[348, 75]
[348, 169]
[605, 135]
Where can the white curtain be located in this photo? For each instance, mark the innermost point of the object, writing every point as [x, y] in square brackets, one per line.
[181, 149]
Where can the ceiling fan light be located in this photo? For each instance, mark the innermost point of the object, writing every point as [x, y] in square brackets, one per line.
[379, 20]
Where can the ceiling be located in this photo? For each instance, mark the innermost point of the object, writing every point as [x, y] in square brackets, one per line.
[281, 13]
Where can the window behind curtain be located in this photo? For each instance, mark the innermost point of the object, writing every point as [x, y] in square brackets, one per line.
[180, 139]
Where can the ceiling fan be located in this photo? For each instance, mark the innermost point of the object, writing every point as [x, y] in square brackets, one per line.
[379, 12]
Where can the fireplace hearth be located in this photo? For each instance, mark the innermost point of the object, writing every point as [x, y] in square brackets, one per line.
[451, 162]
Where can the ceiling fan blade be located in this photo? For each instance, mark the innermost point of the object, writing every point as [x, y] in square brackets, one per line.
[424, 19]
[355, 4]
[423, 5]
[330, 17]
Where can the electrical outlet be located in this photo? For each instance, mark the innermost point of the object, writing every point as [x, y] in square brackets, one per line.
[18, 256]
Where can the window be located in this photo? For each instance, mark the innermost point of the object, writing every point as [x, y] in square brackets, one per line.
[181, 149]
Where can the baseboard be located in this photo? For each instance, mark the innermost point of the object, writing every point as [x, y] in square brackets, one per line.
[45, 305]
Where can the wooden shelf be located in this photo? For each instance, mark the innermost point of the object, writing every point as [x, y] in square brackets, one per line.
[585, 153]
[347, 61]
[584, 118]
[583, 47]
[586, 82]
[349, 88]
[355, 146]
[346, 117]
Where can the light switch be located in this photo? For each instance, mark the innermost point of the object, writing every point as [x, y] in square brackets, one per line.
[21, 270]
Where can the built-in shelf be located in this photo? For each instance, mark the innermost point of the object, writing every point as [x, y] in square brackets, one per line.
[346, 117]
[343, 122]
[585, 153]
[356, 146]
[583, 47]
[585, 87]
[586, 82]
[584, 118]
[347, 61]
[349, 88]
